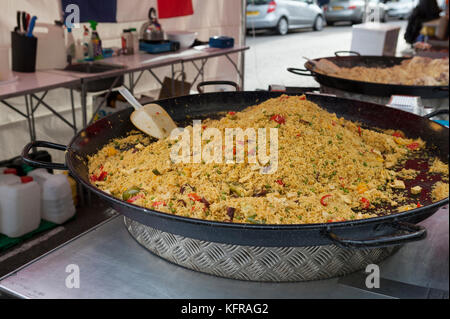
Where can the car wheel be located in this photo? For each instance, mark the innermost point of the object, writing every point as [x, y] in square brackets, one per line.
[318, 23]
[282, 26]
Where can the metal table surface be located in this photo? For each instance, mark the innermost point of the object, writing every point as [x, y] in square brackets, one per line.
[112, 264]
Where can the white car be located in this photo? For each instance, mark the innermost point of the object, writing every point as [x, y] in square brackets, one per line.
[283, 15]
[400, 9]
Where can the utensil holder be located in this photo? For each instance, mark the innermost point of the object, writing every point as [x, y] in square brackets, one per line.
[23, 52]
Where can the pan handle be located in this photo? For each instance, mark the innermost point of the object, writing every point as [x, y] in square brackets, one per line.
[33, 163]
[441, 89]
[303, 72]
[338, 53]
[200, 90]
[435, 113]
[406, 233]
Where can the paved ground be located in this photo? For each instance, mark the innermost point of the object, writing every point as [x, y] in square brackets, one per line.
[271, 54]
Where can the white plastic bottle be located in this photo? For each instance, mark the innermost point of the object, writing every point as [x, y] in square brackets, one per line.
[8, 176]
[9, 179]
[20, 209]
[57, 202]
[70, 46]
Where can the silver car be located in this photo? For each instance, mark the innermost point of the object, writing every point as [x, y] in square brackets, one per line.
[400, 8]
[283, 15]
[352, 10]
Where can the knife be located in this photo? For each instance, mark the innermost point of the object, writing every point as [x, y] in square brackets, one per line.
[17, 29]
[27, 22]
[24, 21]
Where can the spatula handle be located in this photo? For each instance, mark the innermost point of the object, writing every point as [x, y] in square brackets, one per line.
[130, 98]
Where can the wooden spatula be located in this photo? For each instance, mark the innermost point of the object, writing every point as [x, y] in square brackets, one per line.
[151, 119]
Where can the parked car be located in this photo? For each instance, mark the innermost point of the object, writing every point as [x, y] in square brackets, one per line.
[352, 10]
[400, 9]
[283, 15]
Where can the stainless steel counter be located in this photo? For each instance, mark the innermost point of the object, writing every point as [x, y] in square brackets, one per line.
[112, 265]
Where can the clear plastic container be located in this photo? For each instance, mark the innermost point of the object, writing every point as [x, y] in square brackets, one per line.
[57, 203]
[20, 209]
[135, 40]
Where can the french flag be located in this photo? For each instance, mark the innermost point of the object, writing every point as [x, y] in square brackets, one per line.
[129, 10]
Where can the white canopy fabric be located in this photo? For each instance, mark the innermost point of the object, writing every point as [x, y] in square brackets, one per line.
[211, 17]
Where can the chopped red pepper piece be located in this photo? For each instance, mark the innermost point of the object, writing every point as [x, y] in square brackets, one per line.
[134, 198]
[280, 182]
[419, 205]
[322, 200]
[413, 146]
[284, 97]
[231, 113]
[158, 203]
[329, 221]
[359, 130]
[397, 134]
[298, 135]
[278, 118]
[194, 196]
[365, 202]
[102, 176]
[302, 97]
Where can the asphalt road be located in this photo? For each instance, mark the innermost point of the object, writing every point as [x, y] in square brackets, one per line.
[271, 54]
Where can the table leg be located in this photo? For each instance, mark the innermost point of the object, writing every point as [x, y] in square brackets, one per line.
[84, 103]
[28, 117]
[131, 80]
[182, 77]
[73, 112]
[173, 80]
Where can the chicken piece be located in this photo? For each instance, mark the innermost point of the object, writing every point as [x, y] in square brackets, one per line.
[416, 190]
[398, 184]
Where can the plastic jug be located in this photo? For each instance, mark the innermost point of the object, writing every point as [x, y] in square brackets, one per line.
[56, 201]
[9, 179]
[20, 209]
[9, 176]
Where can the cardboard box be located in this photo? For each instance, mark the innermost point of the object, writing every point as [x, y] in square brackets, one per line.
[374, 38]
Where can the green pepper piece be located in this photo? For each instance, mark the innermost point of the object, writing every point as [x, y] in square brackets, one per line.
[130, 193]
[238, 190]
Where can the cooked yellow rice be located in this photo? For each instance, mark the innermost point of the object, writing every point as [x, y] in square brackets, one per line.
[319, 155]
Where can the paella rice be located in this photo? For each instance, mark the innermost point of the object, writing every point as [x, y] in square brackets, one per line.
[329, 169]
[415, 71]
